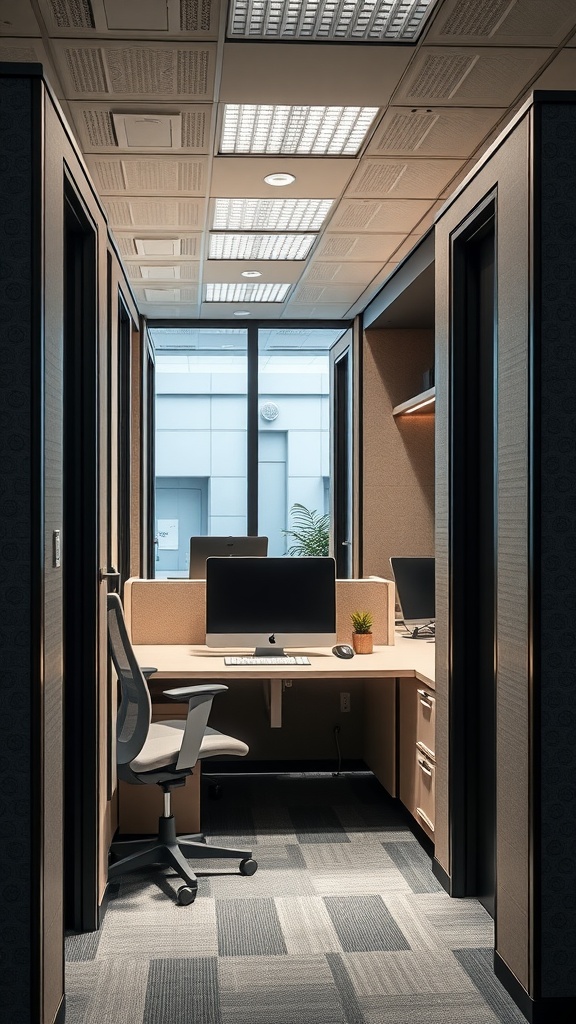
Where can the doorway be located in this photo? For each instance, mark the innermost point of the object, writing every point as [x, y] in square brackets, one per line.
[80, 551]
[473, 557]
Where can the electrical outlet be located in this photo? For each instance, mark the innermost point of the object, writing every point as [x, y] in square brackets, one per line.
[344, 702]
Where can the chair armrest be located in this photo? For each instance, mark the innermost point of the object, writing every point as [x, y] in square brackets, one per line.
[148, 671]
[199, 705]
[183, 693]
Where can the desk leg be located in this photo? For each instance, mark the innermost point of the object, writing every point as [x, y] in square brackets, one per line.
[273, 698]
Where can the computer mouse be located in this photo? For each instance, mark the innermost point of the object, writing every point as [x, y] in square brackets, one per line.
[343, 651]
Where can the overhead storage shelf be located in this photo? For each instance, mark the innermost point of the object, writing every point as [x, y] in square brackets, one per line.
[424, 402]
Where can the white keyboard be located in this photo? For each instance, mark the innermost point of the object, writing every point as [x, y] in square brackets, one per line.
[252, 659]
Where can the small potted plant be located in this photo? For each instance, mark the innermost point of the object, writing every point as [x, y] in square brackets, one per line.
[362, 641]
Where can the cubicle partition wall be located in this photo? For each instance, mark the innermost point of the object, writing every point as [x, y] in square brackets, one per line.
[172, 612]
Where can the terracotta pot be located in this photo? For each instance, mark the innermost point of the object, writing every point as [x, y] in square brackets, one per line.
[363, 643]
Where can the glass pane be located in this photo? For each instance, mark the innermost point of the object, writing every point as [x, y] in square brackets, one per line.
[201, 422]
[294, 432]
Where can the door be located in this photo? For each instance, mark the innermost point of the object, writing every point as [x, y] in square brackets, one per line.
[180, 514]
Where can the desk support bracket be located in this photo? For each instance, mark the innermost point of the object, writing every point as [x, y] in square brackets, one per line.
[273, 698]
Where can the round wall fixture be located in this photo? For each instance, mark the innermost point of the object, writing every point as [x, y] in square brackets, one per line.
[269, 411]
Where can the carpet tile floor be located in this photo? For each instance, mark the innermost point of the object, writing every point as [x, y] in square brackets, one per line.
[343, 923]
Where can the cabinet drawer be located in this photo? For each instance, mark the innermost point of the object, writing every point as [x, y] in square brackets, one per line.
[425, 795]
[426, 719]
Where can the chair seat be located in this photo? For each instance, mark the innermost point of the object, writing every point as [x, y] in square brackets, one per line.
[164, 740]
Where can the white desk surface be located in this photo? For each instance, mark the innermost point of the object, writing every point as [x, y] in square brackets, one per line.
[411, 658]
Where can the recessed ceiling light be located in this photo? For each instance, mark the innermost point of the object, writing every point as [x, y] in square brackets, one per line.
[316, 131]
[270, 214]
[241, 312]
[279, 178]
[246, 292]
[345, 21]
[233, 246]
[251, 273]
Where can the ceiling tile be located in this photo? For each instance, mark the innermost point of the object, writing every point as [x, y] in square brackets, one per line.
[130, 71]
[402, 178]
[382, 215]
[149, 175]
[304, 73]
[461, 76]
[500, 22]
[429, 132]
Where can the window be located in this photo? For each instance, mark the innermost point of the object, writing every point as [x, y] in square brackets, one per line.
[233, 457]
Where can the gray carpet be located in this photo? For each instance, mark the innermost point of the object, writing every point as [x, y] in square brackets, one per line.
[343, 923]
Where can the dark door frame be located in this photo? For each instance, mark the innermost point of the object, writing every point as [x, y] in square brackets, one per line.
[341, 419]
[472, 539]
[80, 562]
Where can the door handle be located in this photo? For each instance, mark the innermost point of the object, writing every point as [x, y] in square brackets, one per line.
[112, 576]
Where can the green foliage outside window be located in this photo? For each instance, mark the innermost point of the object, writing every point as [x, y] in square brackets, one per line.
[310, 530]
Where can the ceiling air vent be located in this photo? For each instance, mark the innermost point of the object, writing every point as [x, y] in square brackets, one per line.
[199, 16]
[157, 246]
[195, 129]
[86, 69]
[72, 13]
[441, 75]
[99, 128]
[406, 132]
[148, 131]
[469, 18]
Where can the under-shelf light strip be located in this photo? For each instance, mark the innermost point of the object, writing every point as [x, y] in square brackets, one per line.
[421, 405]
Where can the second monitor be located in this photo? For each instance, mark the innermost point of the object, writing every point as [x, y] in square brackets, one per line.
[202, 548]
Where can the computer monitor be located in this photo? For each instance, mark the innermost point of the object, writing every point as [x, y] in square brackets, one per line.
[202, 548]
[270, 603]
[415, 588]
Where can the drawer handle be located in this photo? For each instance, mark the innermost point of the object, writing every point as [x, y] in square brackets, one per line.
[425, 817]
[425, 767]
[426, 699]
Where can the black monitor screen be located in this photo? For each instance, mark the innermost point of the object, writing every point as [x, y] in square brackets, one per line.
[415, 588]
[270, 601]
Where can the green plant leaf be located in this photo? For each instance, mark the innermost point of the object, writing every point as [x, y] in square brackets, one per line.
[310, 530]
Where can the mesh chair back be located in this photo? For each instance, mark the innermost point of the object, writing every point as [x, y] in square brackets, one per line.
[135, 712]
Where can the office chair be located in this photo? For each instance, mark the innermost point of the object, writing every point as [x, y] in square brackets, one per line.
[164, 754]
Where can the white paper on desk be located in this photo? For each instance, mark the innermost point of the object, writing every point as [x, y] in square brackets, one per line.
[168, 534]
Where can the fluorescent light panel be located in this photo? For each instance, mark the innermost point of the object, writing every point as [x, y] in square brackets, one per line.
[338, 20]
[327, 131]
[260, 247]
[246, 292]
[270, 214]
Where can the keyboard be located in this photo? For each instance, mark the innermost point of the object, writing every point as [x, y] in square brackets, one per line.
[252, 659]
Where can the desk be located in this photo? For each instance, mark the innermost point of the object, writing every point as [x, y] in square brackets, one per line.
[406, 658]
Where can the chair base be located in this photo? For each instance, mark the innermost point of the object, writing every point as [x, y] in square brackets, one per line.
[172, 850]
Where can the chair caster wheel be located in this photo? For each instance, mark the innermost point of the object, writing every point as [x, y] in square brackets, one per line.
[248, 866]
[186, 895]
